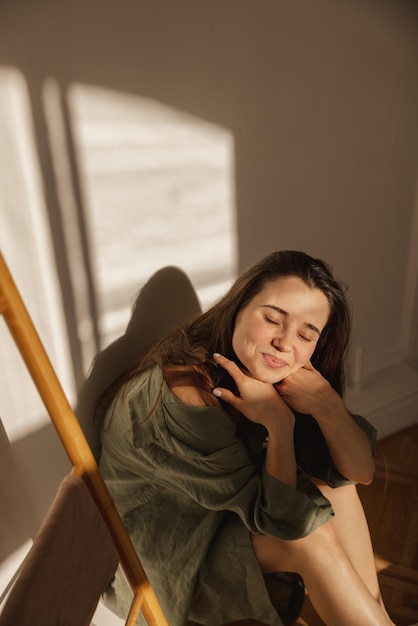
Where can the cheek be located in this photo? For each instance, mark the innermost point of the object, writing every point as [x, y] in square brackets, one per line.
[246, 331]
[304, 354]
[238, 340]
[248, 334]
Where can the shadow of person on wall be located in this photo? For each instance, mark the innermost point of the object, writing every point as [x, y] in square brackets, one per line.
[164, 302]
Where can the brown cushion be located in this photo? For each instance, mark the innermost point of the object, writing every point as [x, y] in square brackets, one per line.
[71, 562]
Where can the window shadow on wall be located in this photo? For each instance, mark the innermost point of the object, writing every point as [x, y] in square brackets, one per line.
[128, 185]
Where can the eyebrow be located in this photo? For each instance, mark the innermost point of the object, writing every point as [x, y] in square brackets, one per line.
[283, 312]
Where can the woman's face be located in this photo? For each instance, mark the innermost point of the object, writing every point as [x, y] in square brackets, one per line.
[276, 333]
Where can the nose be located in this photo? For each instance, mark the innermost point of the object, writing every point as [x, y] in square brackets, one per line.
[283, 341]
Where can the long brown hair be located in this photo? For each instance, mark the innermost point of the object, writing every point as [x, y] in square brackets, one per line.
[193, 343]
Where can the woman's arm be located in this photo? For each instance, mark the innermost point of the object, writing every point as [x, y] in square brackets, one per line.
[261, 403]
[307, 392]
[189, 448]
[280, 461]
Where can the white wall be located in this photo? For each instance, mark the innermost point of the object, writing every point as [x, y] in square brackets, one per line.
[321, 99]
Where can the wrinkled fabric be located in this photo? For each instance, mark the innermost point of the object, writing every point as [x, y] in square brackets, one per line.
[190, 489]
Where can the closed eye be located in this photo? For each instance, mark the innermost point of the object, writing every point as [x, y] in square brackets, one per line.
[304, 338]
[271, 321]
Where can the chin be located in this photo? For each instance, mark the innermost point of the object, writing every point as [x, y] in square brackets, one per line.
[270, 377]
[278, 379]
[264, 374]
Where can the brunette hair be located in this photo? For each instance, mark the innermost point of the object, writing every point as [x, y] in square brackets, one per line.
[211, 331]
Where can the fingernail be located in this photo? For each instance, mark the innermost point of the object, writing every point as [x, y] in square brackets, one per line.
[217, 392]
[216, 354]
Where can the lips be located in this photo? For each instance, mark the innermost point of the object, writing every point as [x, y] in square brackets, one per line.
[273, 361]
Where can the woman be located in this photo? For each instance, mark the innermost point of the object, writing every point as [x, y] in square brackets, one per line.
[231, 455]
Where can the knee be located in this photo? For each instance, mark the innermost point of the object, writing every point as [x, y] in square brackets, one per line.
[321, 544]
[284, 555]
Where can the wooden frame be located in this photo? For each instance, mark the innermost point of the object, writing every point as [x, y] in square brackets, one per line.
[76, 446]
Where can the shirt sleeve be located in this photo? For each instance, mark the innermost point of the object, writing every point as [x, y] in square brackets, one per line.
[195, 452]
[312, 453]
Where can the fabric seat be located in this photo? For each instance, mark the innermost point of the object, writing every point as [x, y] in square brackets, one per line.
[71, 563]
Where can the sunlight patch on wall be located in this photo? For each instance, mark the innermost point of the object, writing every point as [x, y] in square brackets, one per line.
[25, 244]
[158, 187]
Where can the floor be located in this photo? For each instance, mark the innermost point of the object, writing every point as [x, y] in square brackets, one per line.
[391, 506]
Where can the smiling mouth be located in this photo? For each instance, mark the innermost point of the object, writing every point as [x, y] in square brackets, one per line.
[274, 362]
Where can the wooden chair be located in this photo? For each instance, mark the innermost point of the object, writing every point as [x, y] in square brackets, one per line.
[71, 562]
[166, 300]
[78, 450]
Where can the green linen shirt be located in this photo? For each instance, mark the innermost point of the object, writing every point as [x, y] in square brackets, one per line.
[190, 488]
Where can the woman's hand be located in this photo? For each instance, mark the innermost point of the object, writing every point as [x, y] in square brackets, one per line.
[307, 391]
[258, 401]
[261, 403]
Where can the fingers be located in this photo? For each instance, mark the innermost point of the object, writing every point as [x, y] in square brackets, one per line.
[234, 371]
[227, 396]
[257, 400]
[231, 367]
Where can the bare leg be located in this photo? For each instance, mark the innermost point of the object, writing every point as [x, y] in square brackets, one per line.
[352, 530]
[336, 590]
